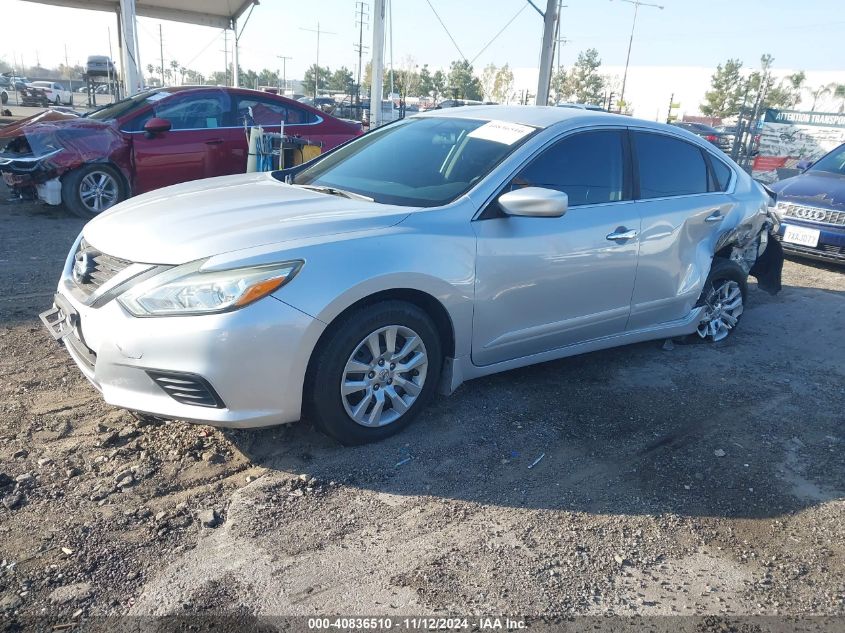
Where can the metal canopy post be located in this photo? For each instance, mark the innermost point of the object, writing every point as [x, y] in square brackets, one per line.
[235, 73]
[377, 65]
[547, 53]
[129, 47]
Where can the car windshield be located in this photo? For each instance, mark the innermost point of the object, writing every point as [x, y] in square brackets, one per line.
[425, 162]
[833, 162]
[125, 106]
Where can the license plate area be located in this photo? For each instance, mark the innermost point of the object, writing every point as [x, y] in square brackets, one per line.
[61, 319]
[801, 235]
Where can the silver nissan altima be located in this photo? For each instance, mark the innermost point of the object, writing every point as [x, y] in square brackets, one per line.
[442, 247]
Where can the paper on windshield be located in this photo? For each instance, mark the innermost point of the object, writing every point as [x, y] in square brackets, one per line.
[501, 132]
[158, 96]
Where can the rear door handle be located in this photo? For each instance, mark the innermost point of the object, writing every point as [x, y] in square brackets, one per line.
[715, 216]
[622, 234]
[214, 141]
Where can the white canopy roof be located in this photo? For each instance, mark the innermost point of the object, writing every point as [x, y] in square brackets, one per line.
[215, 13]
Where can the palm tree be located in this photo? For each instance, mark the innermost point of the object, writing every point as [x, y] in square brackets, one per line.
[174, 66]
[838, 92]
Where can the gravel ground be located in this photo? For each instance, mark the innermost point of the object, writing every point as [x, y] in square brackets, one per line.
[700, 480]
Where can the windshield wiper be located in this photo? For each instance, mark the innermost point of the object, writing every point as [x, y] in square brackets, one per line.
[333, 191]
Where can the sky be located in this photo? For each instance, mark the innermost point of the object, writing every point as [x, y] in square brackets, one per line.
[800, 35]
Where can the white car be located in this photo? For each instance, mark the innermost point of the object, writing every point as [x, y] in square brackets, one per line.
[53, 92]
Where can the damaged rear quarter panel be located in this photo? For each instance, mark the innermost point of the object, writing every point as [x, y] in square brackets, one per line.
[677, 245]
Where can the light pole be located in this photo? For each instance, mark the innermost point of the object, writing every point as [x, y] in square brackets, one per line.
[637, 5]
[284, 73]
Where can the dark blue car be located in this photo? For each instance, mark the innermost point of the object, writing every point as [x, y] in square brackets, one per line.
[812, 209]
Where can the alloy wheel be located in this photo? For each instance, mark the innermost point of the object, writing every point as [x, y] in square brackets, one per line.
[723, 307]
[384, 376]
[98, 191]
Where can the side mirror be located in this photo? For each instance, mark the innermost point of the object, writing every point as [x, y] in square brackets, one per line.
[534, 202]
[804, 164]
[156, 126]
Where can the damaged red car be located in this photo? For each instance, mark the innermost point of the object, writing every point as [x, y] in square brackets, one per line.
[154, 139]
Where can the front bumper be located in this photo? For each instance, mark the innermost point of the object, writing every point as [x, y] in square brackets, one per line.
[254, 358]
[830, 247]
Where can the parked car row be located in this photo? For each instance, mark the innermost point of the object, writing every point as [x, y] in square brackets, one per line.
[151, 140]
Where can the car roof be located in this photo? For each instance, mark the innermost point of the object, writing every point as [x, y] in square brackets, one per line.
[536, 116]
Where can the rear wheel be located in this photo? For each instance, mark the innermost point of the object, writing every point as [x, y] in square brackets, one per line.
[724, 299]
[91, 189]
[374, 372]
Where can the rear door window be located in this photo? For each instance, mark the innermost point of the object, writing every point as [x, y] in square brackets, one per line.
[721, 175]
[268, 112]
[669, 166]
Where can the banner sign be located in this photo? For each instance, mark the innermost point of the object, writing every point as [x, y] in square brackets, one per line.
[827, 119]
[789, 136]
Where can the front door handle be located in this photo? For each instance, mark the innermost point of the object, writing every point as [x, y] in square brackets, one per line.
[622, 234]
[214, 141]
[716, 216]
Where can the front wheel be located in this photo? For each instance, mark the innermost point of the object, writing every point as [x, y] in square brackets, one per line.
[723, 298]
[91, 189]
[374, 372]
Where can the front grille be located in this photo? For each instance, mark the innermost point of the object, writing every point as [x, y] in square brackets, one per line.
[187, 388]
[92, 268]
[812, 214]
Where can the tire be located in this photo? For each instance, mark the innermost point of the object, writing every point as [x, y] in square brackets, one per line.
[346, 348]
[725, 306]
[78, 184]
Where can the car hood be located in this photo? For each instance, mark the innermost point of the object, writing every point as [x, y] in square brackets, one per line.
[815, 188]
[202, 218]
[52, 117]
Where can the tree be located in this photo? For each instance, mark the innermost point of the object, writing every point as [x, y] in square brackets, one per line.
[559, 85]
[727, 86]
[407, 79]
[438, 84]
[584, 82]
[341, 80]
[462, 82]
[764, 92]
[503, 84]
[268, 77]
[488, 79]
[426, 81]
[312, 73]
[174, 68]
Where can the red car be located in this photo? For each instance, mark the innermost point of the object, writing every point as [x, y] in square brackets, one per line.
[151, 140]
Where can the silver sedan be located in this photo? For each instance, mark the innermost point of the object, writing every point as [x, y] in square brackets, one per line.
[444, 247]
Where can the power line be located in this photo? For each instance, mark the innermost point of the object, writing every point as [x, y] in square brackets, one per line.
[458, 48]
[502, 30]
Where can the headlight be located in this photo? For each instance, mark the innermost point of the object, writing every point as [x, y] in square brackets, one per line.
[186, 290]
